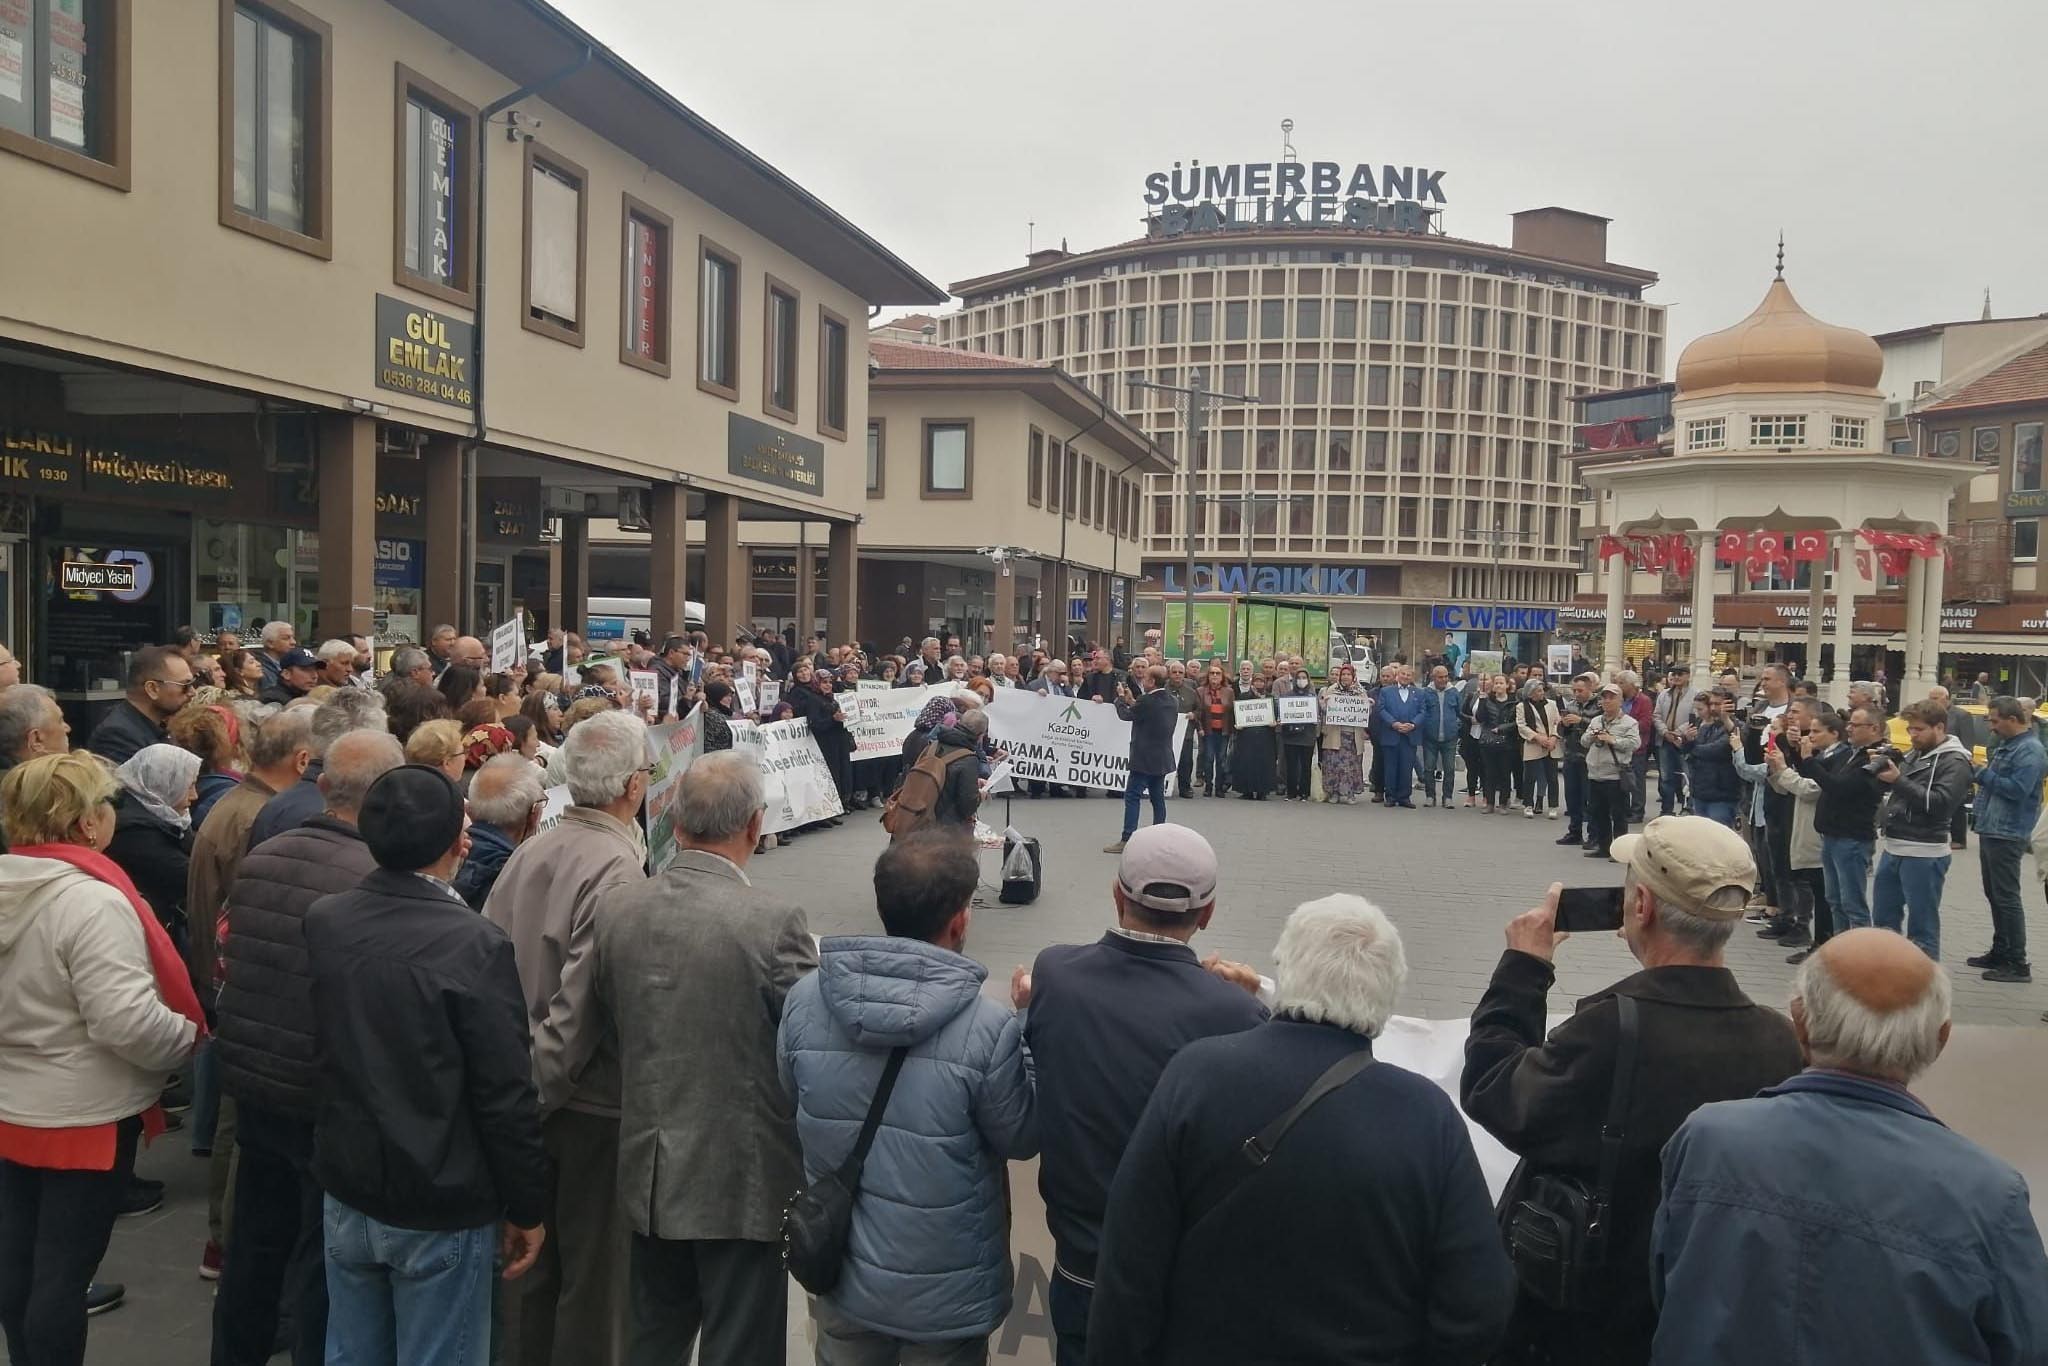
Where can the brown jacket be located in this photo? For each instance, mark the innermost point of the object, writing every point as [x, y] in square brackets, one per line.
[549, 898]
[217, 852]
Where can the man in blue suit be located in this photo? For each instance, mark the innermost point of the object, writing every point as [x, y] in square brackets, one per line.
[1397, 723]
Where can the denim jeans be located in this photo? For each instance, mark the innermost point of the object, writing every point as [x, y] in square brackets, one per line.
[1575, 798]
[1999, 861]
[1907, 896]
[1670, 778]
[1140, 784]
[1721, 812]
[1067, 1302]
[1440, 756]
[406, 1297]
[1846, 862]
[1215, 760]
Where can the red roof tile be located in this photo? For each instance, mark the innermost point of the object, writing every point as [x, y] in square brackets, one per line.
[916, 356]
[2023, 379]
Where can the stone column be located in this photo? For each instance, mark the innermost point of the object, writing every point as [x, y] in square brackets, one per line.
[1703, 612]
[1816, 610]
[442, 582]
[575, 575]
[725, 569]
[1935, 579]
[668, 567]
[1848, 582]
[348, 525]
[1098, 611]
[1005, 621]
[1617, 612]
[842, 582]
[806, 592]
[1911, 684]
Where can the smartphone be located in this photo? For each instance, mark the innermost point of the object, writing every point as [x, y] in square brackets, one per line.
[1581, 910]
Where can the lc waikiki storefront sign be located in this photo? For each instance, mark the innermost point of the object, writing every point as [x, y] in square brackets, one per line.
[1279, 580]
[1198, 198]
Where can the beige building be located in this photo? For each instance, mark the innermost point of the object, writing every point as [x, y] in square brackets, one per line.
[447, 283]
[1409, 418]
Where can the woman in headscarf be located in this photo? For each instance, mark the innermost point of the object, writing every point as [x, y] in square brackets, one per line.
[97, 1008]
[719, 700]
[1343, 746]
[828, 728]
[1297, 741]
[1254, 751]
[153, 832]
[214, 733]
[938, 711]
[912, 675]
[481, 744]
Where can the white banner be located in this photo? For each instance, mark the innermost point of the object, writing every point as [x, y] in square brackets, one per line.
[1299, 710]
[1254, 712]
[799, 785]
[553, 805]
[1347, 709]
[671, 749]
[1065, 740]
[508, 645]
[880, 721]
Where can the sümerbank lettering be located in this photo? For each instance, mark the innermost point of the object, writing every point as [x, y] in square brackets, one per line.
[1197, 198]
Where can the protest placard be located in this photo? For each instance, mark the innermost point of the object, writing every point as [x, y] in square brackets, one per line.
[1347, 709]
[747, 697]
[873, 685]
[508, 645]
[797, 780]
[771, 693]
[671, 749]
[1299, 710]
[884, 718]
[645, 683]
[1560, 661]
[1065, 740]
[552, 807]
[1253, 712]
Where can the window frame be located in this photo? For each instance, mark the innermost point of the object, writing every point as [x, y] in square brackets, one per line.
[707, 247]
[631, 208]
[878, 434]
[1034, 467]
[112, 71]
[1780, 426]
[771, 286]
[827, 319]
[1859, 427]
[319, 114]
[1706, 434]
[409, 85]
[541, 156]
[924, 459]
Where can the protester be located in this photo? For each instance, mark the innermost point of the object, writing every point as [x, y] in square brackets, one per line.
[1813, 913]
[1574, 708]
[2008, 808]
[297, 674]
[1187, 701]
[267, 1059]
[1546, 1094]
[159, 683]
[1611, 739]
[1834, 1210]
[241, 673]
[1493, 717]
[695, 1000]
[293, 806]
[505, 800]
[438, 744]
[1389, 1251]
[96, 1010]
[214, 733]
[1922, 789]
[1254, 750]
[1636, 703]
[1707, 745]
[1671, 714]
[927, 1276]
[1536, 721]
[429, 1147]
[1442, 726]
[1343, 747]
[548, 898]
[1216, 716]
[1102, 1022]
[1152, 716]
[337, 663]
[1397, 720]
[279, 638]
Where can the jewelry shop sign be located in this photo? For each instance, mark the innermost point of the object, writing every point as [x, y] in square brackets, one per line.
[423, 353]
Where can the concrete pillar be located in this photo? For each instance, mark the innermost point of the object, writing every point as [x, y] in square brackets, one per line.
[348, 525]
[442, 599]
[572, 599]
[1816, 609]
[1098, 610]
[1617, 612]
[725, 569]
[668, 562]
[1703, 611]
[1935, 580]
[1004, 624]
[806, 593]
[1912, 684]
[1848, 583]
[842, 582]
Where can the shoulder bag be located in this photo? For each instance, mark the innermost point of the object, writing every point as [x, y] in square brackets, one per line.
[819, 1218]
[1557, 1232]
[1260, 1145]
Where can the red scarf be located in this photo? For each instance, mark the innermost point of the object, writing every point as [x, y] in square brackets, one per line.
[173, 980]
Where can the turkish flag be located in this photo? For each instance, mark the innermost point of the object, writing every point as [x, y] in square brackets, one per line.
[1894, 562]
[1610, 546]
[1731, 547]
[1769, 546]
[1862, 565]
[1809, 546]
[1681, 556]
[1649, 553]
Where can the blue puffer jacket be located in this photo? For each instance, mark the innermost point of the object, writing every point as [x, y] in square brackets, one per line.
[2009, 788]
[929, 1257]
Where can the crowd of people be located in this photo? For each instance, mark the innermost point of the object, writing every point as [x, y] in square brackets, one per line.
[469, 1088]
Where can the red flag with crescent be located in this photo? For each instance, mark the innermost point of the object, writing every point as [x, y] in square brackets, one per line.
[1610, 546]
[1809, 546]
[1731, 547]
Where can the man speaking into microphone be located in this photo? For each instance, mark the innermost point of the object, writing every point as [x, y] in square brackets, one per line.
[1152, 716]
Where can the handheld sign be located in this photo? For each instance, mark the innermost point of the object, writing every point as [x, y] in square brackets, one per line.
[508, 643]
[646, 683]
[1299, 710]
[1347, 709]
[1253, 712]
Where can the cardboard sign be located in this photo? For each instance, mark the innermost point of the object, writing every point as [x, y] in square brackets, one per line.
[1253, 712]
[1347, 709]
[644, 683]
[771, 693]
[508, 645]
[1299, 710]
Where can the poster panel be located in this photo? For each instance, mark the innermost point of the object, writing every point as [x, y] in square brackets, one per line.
[1287, 623]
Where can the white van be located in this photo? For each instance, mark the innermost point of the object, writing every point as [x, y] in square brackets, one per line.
[611, 621]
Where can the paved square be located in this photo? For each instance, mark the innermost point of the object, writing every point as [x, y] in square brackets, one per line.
[1449, 879]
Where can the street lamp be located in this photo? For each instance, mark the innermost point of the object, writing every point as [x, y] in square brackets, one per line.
[1193, 399]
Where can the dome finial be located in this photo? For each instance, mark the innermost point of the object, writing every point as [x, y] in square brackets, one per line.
[1781, 253]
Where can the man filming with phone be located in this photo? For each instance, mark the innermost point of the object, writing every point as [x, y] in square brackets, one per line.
[1692, 1037]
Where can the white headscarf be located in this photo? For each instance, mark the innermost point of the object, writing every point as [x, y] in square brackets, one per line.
[159, 777]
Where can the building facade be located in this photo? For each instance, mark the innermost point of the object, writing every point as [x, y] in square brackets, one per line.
[1403, 408]
[247, 346]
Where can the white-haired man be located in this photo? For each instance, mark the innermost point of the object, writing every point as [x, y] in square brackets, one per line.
[1389, 1250]
[337, 664]
[505, 801]
[279, 638]
[1905, 1240]
[1546, 1094]
[548, 898]
[707, 1139]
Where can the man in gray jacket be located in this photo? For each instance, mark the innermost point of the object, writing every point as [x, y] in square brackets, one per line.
[554, 889]
[693, 966]
[927, 1274]
[1611, 739]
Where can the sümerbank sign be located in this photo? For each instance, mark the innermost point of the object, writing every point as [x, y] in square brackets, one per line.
[1198, 198]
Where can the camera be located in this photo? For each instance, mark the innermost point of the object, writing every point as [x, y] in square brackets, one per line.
[1880, 757]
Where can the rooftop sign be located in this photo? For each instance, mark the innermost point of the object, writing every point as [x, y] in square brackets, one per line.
[1198, 198]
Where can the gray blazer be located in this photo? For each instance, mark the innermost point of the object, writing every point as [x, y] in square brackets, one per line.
[692, 967]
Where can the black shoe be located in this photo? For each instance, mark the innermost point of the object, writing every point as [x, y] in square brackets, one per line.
[1777, 929]
[1570, 837]
[1800, 957]
[1991, 959]
[1797, 937]
[834, 821]
[101, 1296]
[2010, 972]
[141, 1197]
[1596, 852]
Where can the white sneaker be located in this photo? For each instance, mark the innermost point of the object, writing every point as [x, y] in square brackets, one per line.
[1529, 813]
[1552, 813]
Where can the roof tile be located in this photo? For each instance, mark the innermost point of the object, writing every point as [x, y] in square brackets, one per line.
[917, 356]
[2023, 379]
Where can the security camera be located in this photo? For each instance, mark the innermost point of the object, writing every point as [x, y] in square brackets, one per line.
[874, 366]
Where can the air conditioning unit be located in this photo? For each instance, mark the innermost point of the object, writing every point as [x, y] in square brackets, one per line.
[635, 512]
[400, 443]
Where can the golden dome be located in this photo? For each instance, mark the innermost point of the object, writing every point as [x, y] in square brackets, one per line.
[1780, 347]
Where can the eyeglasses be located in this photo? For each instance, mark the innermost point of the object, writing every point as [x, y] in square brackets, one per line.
[182, 684]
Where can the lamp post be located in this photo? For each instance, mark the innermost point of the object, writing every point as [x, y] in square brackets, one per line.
[1194, 398]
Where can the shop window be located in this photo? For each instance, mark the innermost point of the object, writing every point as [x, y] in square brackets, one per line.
[833, 357]
[2026, 539]
[718, 320]
[63, 91]
[949, 459]
[645, 304]
[877, 466]
[276, 124]
[435, 199]
[556, 220]
[779, 331]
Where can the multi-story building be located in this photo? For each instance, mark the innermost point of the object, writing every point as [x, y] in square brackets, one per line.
[1405, 407]
[247, 354]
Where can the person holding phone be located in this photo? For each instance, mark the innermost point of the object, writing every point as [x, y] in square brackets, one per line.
[1612, 739]
[1545, 1093]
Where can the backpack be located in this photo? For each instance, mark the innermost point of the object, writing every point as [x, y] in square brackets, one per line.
[917, 797]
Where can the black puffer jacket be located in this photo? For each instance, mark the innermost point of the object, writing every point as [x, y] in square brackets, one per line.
[1495, 717]
[265, 1034]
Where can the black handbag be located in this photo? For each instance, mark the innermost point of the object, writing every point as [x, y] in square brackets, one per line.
[819, 1218]
[1557, 1233]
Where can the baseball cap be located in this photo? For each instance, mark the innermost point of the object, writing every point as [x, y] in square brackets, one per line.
[1614, 688]
[299, 659]
[1686, 860]
[410, 817]
[1168, 869]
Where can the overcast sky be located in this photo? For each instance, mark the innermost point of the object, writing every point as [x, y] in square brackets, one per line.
[1900, 144]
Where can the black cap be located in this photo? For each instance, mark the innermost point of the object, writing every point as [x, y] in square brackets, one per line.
[411, 817]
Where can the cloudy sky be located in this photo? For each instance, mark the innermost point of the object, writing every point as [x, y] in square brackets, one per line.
[1900, 144]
